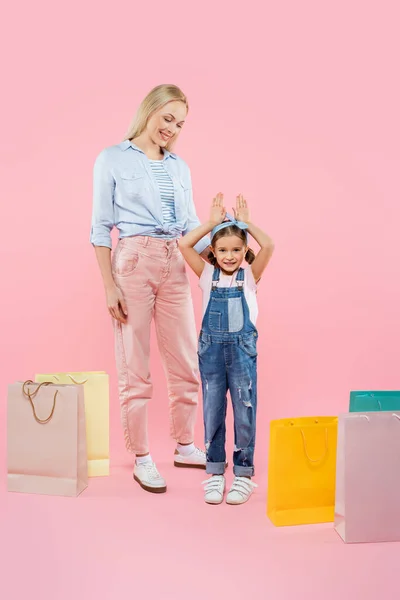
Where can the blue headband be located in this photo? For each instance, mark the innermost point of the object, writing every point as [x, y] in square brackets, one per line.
[231, 221]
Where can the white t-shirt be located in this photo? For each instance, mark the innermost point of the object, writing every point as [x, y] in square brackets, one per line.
[227, 281]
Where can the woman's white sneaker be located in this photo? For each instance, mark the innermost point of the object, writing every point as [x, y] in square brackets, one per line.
[149, 478]
[214, 489]
[195, 460]
[241, 490]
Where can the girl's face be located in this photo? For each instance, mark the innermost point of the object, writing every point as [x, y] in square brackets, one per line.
[166, 124]
[229, 251]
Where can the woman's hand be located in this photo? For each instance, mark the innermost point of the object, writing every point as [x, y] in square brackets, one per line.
[116, 304]
[218, 211]
[241, 212]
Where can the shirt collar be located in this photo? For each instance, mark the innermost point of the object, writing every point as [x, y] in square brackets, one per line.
[128, 144]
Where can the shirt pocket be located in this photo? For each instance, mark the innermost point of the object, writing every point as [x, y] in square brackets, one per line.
[133, 184]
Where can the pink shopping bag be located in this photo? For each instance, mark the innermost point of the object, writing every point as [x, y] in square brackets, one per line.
[46, 439]
[367, 504]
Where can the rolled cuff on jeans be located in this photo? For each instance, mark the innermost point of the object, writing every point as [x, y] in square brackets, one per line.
[215, 468]
[243, 471]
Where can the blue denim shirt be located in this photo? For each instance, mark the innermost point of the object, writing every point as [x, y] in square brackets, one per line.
[126, 196]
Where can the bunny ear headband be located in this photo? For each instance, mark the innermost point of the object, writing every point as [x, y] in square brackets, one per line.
[231, 221]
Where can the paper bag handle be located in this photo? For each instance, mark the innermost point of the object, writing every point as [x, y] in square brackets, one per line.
[76, 381]
[315, 460]
[32, 395]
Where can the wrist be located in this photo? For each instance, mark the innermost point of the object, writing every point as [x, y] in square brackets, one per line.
[109, 285]
[211, 224]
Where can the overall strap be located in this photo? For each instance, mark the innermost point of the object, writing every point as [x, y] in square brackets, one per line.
[215, 278]
[240, 278]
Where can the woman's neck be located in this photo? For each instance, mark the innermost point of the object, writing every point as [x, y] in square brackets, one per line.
[151, 150]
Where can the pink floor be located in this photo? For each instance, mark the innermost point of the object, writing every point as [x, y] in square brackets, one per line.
[117, 541]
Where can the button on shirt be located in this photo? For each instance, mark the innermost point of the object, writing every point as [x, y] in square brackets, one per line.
[126, 195]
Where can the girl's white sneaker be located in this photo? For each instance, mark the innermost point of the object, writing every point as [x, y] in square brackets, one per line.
[241, 490]
[214, 489]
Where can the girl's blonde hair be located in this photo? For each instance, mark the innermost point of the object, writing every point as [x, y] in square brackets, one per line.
[154, 101]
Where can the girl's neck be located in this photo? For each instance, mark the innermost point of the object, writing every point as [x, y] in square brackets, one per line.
[228, 273]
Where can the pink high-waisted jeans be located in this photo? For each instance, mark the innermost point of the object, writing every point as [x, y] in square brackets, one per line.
[151, 275]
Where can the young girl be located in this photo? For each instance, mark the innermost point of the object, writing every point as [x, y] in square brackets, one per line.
[228, 341]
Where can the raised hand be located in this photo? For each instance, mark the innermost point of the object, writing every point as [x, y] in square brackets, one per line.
[241, 212]
[218, 211]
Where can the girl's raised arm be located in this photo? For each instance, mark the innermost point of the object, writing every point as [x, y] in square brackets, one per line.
[188, 241]
[266, 244]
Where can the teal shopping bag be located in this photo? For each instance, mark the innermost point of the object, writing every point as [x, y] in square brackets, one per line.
[374, 401]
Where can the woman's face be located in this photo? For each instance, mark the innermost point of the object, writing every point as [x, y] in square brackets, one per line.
[166, 124]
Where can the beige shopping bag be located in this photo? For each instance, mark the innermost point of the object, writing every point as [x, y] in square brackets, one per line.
[368, 485]
[46, 439]
[96, 388]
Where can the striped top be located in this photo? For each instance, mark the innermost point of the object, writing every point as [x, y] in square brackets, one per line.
[166, 188]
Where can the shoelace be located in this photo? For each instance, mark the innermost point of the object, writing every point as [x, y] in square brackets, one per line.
[152, 471]
[199, 452]
[243, 486]
[214, 484]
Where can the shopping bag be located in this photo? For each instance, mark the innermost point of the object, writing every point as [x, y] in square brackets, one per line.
[96, 388]
[367, 503]
[301, 471]
[374, 401]
[46, 439]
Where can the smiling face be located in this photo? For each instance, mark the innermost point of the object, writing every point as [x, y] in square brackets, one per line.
[165, 125]
[229, 250]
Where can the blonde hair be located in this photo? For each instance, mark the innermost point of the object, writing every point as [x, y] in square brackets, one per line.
[154, 101]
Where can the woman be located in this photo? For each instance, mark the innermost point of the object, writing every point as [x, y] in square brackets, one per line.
[145, 190]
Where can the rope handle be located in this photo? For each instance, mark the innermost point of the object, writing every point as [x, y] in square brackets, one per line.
[72, 379]
[76, 381]
[315, 460]
[32, 395]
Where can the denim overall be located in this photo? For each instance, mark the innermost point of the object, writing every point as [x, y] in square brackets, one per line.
[228, 361]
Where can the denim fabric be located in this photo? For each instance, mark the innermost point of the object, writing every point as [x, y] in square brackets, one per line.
[126, 195]
[228, 361]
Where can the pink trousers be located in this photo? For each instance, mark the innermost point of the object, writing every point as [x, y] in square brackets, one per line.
[151, 275]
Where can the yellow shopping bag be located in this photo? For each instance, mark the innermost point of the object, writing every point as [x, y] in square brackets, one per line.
[302, 471]
[96, 390]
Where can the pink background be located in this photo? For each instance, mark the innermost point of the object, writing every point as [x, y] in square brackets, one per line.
[294, 104]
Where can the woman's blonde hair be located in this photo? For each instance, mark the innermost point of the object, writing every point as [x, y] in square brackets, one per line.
[154, 101]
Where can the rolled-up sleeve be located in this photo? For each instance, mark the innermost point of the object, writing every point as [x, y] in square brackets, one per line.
[193, 220]
[103, 202]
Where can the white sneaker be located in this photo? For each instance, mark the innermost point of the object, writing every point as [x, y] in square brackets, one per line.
[214, 489]
[241, 490]
[149, 478]
[195, 460]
